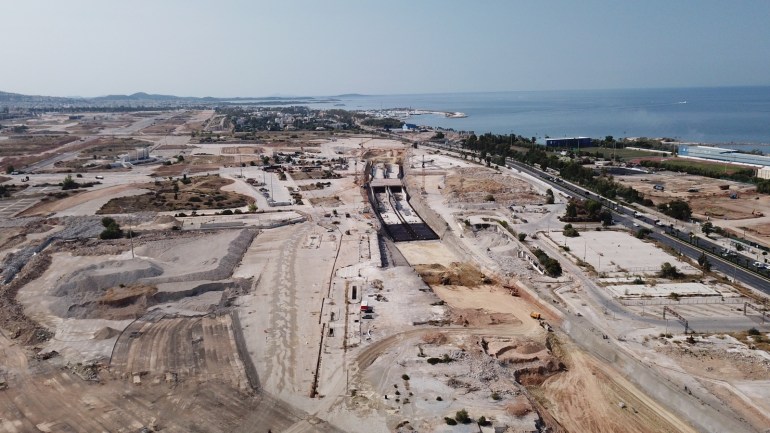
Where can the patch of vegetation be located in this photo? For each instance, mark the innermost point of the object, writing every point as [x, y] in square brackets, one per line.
[552, 266]
[203, 192]
[570, 231]
[643, 232]
[667, 270]
[385, 123]
[462, 416]
[678, 209]
[111, 229]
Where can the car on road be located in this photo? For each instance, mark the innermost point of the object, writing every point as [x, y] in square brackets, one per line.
[636, 225]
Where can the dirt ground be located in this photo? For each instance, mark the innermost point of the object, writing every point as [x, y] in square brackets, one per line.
[474, 185]
[708, 200]
[459, 274]
[591, 398]
[52, 206]
[203, 192]
[250, 330]
[191, 386]
[730, 369]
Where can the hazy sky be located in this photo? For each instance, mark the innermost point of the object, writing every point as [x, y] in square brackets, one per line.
[326, 47]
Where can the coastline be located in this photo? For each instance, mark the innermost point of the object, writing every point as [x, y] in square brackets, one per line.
[734, 116]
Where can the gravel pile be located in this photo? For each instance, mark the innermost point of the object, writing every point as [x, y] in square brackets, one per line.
[74, 228]
[225, 265]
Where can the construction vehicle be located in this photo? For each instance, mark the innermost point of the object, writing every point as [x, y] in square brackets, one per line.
[535, 315]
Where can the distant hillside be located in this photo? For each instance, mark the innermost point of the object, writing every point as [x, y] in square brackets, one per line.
[149, 100]
[19, 98]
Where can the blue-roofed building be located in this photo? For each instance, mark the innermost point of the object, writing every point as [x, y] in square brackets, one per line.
[723, 155]
[568, 142]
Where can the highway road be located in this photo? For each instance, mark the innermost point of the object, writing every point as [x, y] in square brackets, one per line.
[666, 235]
[737, 267]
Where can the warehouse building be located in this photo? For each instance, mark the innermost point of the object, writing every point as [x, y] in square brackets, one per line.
[724, 155]
[568, 142]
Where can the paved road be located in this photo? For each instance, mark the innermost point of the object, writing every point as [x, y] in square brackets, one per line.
[668, 236]
[10, 208]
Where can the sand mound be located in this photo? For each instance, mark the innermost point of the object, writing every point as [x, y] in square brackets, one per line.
[165, 219]
[105, 333]
[457, 274]
[219, 268]
[105, 275]
[479, 317]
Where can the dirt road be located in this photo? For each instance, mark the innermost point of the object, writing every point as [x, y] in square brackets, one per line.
[591, 397]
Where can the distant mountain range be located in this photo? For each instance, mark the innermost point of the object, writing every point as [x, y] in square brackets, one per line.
[147, 99]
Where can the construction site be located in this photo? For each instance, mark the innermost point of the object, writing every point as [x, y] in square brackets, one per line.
[328, 281]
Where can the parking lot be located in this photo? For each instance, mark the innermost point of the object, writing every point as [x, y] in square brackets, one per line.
[9, 208]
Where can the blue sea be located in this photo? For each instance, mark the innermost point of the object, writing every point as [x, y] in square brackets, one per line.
[737, 117]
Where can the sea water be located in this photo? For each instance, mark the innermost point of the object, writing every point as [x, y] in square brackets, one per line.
[737, 117]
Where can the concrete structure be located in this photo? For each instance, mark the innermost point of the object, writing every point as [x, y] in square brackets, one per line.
[764, 172]
[722, 154]
[568, 142]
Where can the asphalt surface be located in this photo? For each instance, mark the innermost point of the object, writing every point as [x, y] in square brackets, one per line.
[666, 235]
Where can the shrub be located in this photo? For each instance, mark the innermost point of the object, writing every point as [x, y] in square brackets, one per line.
[753, 331]
[642, 233]
[570, 231]
[405, 376]
[483, 422]
[522, 236]
[667, 270]
[111, 229]
[439, 398]
[68, 183]
[450, 421]
[227, 212]
[462, 416]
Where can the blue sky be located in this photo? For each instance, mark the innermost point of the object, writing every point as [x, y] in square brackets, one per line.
[256, 48]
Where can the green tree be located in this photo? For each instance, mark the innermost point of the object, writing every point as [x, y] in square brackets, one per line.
[111, 229]
[570, 231]
[593, 208]
[667, 270]
[678, 209]
[704, 262]
[571, 210]
[643, 232]
[69, 183]
[462, 416]
[605, 217]
[707, 228]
